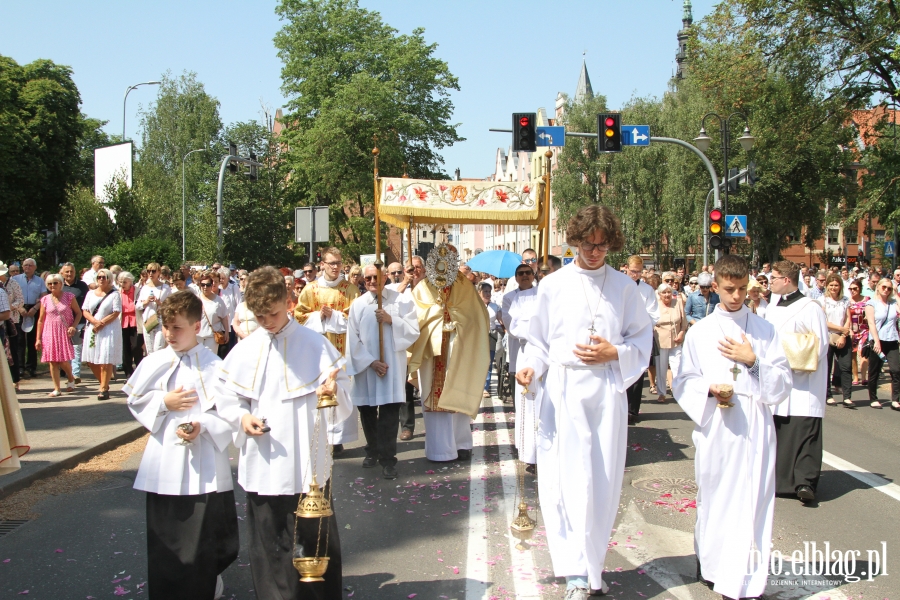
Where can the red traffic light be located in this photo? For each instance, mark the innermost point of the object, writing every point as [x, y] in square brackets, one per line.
[715, 215]
[524, 121]
[610, 122]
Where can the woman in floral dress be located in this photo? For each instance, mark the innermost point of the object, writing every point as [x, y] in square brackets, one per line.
[859, 328]
[56, 326]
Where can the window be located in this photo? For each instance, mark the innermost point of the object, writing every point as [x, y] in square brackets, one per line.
[879, 236]
[794, 237]
[851, 235]
[834, 235]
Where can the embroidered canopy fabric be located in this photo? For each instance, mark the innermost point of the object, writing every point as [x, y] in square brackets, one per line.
[446, 201]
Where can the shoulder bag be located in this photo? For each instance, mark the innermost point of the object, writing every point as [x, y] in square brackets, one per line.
[220, 336]
[801, 350]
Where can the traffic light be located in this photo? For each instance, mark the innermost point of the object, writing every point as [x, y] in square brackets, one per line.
[232, 150]
[716, 229]
[524, 132]
[254, 173]
[751, 174]
[609, 129]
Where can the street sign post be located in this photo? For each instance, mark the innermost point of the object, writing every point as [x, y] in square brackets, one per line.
[736, 226]
[635, 135]
[568, 256]
[551, 136]
[311, 226]
[889, 249]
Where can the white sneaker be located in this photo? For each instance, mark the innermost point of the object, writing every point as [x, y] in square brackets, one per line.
[220, 588]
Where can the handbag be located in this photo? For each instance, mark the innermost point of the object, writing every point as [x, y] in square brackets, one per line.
[866, 349]
[835, 338]
[220, 336]
[801, 350]
[151, 323]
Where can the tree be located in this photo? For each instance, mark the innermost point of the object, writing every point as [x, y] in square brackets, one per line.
[40, 126]
[350, 77]
[881, 179]
[850, 46]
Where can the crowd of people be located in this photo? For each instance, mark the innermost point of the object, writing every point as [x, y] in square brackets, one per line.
[220, 355]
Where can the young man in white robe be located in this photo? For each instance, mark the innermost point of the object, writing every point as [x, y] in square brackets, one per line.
[798, 421]
[735, 460]
[517, 315]
[635, 268]
[588, 340]
[192, 532]
[268, 391]
[379, 368]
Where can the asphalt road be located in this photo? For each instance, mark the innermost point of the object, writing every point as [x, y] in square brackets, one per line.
[441, 530]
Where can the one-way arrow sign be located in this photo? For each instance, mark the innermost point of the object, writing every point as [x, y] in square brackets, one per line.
[635, 135]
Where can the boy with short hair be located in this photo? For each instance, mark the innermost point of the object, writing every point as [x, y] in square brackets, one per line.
[192, 531]
[728, 391]
[268, 391]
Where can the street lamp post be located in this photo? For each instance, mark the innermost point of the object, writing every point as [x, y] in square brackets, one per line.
[894, 106]
[702, 142]
[183, 222]
[124, 102]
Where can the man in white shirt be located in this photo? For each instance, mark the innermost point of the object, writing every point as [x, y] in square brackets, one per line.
[414, 272]
[90, 276]
[529, 257]
[525, 288]
[651, 305]
[818, 290]
[231, 296]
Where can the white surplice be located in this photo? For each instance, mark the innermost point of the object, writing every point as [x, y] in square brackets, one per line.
[362, 347]
[275, 376]
[809, 390]
[519, 316]
[514, 343]
[735, 448]
[168, 467]
[583, 427]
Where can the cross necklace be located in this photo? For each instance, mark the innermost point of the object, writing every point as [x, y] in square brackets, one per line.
[599, 300]
[735, 370]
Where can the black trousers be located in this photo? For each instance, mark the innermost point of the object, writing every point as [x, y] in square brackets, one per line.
[132, 349]
[634, 393]
[190, 540]
[844, 359]
[408, 409]
[798, 454]
[15, 350]
[224, 349]
[27, 341]
[892, 354]
[380, 425]
[270, 520]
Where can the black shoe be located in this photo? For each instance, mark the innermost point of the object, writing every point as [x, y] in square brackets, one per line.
[389, 472]
[806, 493]
[463, 454]
[369, 462]
[632, 419]
[531, 469]
[337, 449]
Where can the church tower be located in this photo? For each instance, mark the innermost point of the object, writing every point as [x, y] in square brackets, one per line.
[681, 56]
[583, 90]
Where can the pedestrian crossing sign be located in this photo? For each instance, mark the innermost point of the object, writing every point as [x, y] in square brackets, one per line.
[568, 256]
[736, 226]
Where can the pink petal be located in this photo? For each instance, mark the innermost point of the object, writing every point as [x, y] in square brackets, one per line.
[412, 595]
[59, 550]
[7, 560]
[456, 570]
[23, 593]
[464, 498]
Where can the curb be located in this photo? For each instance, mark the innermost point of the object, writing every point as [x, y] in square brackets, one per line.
[52, 469]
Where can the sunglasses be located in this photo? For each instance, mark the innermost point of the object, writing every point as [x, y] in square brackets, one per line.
[669, 280]
[854, 289]
[524, 273]
[99, 277]
[205, 284]
[243, 278]
[55, 283]
[371, 278]
[336, 263]
[530, 260]
[151, 270]
[396, 272]
[705, 287]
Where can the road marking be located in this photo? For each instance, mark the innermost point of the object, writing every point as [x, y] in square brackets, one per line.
[523, 573]
[871, 479]
[476, 553]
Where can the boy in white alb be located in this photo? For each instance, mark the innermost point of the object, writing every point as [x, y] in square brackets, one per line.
[192, 532]
[277, 373]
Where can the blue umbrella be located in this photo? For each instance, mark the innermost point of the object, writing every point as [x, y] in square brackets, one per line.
[499, 263]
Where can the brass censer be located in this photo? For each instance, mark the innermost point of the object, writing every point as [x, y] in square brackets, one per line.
[522, 527]
[327, 400]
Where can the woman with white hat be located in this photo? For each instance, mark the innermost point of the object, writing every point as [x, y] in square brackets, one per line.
[14, 330]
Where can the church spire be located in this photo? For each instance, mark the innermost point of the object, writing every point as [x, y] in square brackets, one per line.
[687, 19]
[583, 90]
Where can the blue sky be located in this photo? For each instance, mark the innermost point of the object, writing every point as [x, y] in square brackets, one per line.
[509, 56]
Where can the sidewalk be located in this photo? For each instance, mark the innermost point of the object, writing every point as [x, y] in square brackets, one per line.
[70, 429]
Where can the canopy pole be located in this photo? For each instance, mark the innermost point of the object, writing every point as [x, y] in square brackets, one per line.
[409, 241]
[378, 262]
[545, 268]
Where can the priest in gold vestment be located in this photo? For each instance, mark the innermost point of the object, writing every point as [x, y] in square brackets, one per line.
[451, 355]
[324, 306]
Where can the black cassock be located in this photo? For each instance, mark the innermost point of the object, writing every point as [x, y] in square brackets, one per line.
[798, 453]
[270, 520]
[190, 540]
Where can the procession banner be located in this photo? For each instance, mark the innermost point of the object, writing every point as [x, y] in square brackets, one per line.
[446, 201]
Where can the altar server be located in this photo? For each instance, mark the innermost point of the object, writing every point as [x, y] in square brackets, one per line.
[267, 390]
[735, 459]
[803, 329]
[589, 338]
[517, 315]
[379, 386]
[192, 532]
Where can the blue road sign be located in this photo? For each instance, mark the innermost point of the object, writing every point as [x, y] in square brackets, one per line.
[635, 135]
[735, 225]
[889, 249]
[551, 136]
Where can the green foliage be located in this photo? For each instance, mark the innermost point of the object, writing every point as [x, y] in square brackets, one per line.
[83, 227]
[881, 181]
[39, 128]
[135, 254]
[90, 138]
[351, 77]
